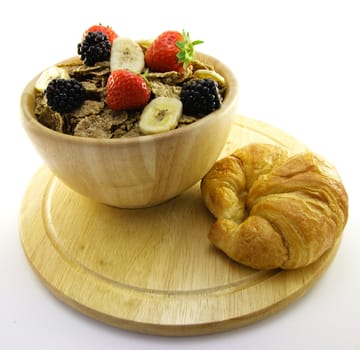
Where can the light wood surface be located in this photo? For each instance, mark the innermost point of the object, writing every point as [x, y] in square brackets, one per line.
[153, 270]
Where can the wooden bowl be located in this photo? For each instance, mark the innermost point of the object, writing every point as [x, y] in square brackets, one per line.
[140, 171]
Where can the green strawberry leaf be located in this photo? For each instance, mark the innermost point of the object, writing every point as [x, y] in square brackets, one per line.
[187, 49]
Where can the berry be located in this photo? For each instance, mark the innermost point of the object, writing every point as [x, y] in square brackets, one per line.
[64, 95]
[126, 90]
[171, 51]
[108, 31]
[200, 97]
[94, 48]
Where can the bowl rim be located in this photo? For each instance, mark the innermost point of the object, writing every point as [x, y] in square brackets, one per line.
[230, 100]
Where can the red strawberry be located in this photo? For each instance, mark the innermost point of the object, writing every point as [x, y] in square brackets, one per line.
[126, 90]
[108, 31]
[171, 51]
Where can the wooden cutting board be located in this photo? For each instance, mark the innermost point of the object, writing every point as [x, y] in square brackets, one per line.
[153, 270]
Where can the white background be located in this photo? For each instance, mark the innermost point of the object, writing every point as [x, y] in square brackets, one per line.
[298, 64]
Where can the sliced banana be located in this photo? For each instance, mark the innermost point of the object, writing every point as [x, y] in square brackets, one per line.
[48, 75]
[210, 74]
[126, 54]
[160, 115]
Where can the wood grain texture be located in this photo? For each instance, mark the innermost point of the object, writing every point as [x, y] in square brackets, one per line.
[153, 270]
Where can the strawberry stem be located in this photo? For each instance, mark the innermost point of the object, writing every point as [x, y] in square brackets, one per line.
[187, 49]
[145, 77]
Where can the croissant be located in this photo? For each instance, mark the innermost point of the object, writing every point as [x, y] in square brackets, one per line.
[273, 209]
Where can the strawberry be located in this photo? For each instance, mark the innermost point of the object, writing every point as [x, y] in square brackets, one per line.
[171, 51]
[126, 90]
[108, 31]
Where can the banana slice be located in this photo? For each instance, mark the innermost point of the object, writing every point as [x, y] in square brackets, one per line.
[48, 75]
[160, 115]
[126, 54]
[210, 74]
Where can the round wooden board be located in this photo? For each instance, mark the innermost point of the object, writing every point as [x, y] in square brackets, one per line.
[153, 270]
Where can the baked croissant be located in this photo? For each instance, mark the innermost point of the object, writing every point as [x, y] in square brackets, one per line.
[274, 210]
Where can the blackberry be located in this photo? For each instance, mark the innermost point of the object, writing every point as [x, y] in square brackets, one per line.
[200, 97]
[94, 48]
[64, 95]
